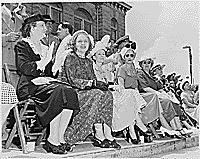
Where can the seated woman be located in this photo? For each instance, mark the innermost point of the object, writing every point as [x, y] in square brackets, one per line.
[127, 103]
[189, 104]
[96, 102]
[157, 72]
[58, 103]
[172, 111]
[127, 78]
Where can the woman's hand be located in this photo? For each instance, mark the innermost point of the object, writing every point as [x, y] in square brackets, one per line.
[100, 85]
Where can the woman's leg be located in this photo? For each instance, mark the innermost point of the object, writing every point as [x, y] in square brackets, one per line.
[58, 126]
[140, 124]
[132, 132]
[99, 131]
[164, 122]
[54, 131]
[64, 121]
[107, 132]
[153, 130]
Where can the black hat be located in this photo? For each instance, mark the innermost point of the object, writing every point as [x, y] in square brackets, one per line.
[47, 18]
[159, 66]
[33, 18]
[121, 40]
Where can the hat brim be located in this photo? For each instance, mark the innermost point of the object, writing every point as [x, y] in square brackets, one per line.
[49, 20]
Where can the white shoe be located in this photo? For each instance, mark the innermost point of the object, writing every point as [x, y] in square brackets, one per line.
[164, 130]
[188, 131]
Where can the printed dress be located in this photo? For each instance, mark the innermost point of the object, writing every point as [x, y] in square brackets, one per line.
[96, 106]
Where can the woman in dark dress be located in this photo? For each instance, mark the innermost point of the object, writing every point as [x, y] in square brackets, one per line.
[58, 102]
[96, 102]
[172, 111]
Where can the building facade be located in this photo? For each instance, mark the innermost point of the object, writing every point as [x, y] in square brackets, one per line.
[97, 18]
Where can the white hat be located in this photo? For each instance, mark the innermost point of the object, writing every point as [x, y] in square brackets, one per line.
[146, 57]
[100, 45]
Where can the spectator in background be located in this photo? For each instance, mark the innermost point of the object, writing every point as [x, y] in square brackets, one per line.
[188, 100]
[49, 38]
[172, 111]
[64, 33]
[13, 15]
[12, 19]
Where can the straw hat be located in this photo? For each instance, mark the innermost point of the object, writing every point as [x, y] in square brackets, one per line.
[100, 45]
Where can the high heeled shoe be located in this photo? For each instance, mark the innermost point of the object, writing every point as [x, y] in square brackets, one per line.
[178, 135]
[67, 147]
[147, 135]
[114, 144]
[98, 143]
[52, 148]
[183, 133]
[130, 139]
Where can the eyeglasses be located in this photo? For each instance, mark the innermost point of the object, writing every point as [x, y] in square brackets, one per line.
[131, 55]
[147, 62]
[131, 45]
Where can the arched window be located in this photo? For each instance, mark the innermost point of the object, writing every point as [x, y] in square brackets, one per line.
[82, 20]
[114, 28]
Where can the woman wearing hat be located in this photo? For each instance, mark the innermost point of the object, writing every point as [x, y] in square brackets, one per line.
[157, 72]
[96, 102]
[127, 77]
[172, 111]
[187, 97]
[127, 102]
[58, 102]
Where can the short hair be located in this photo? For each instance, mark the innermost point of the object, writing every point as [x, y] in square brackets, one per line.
[66, 25]
[74, 37]
[26, 29]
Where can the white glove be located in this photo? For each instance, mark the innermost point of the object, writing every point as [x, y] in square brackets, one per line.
[46, 58]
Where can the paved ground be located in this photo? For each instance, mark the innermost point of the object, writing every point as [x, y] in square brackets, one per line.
[188, 153]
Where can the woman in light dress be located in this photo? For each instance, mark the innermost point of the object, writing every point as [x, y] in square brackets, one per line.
[127, 102]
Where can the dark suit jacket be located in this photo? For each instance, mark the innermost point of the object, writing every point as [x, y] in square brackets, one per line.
[27, 69]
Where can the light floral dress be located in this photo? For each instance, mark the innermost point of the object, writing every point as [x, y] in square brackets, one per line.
[127, 103]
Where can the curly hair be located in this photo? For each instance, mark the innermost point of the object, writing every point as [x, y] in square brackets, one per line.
[75, 36]
[26, 29]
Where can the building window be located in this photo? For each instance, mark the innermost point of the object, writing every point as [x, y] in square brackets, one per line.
[55, 11]
[82, 20]
[114, 28]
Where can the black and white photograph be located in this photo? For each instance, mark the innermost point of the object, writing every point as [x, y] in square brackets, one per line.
[100, 79]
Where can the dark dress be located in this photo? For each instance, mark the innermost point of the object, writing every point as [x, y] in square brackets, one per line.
[96, 106]
[170, 108]
[54, 97]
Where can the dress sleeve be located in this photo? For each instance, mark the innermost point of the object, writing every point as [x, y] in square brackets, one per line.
[24, 61]
[121, 73]
[71, 70]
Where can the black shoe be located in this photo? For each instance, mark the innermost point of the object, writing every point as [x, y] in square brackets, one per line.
[103, 144]
[114, 144]
[67, 147]
[129, 138]
[52, 148]
[147, 135]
